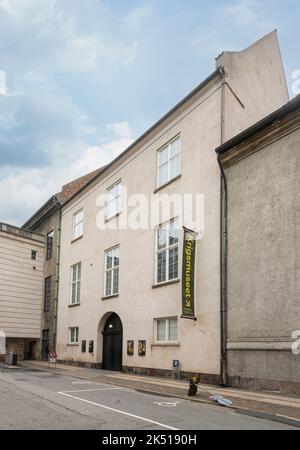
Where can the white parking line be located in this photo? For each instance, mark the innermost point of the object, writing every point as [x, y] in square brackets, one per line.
[91, 390]
[119, 412]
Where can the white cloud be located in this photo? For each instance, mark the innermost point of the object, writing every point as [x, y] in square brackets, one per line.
[133, 18]
[2, 83]
[29, 188]
[66, 39]
[246, 13]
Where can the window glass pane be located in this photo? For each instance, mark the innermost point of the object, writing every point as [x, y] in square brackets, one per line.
[163, 174]
[109, 260]
[173, 263]
[173, 329]
[174, 167]
[163, 156]
[161, 330]
[174, 147]
[116, 260]
[161, 238]
[173, 233]
[78, 292]
[108, 282]
[161, 266]
[115, 281]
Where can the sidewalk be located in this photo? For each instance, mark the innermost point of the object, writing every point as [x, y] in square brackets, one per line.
[259, 404]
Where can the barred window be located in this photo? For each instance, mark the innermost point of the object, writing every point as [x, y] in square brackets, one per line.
[167, 252]
[49, 250]
[112, 264]
[47, 294]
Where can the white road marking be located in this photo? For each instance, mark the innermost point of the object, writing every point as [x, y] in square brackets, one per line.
[91, 390]
[168, 404]
[119, 412]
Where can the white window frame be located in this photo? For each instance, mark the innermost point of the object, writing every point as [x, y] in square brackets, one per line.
[167, 249]
[76, 284]
[168, 146]
[112, 270]
[76, 336]
[76, 225]
[167, 330]
[117, 200]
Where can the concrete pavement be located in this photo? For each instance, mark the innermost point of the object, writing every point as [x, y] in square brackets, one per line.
[40, 399]
[261, 404]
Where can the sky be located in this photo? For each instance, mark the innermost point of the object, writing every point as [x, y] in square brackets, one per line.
[80, 81]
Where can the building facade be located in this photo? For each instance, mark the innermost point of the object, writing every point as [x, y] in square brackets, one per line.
[121, 287]
[262, 170]
[47, 221]
[21, 287]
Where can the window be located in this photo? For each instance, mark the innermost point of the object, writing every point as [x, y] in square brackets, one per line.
[168, 162]
[49, 249]
[78, 224]
[33, 255]
[47, 294]
[166, 330]
[83, 346]
[75, 284]
[167, 252]
[73, 335]
[112, 263]
[113, 200]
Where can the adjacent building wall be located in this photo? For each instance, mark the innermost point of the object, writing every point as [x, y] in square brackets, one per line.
[21, 286]
[264, 263]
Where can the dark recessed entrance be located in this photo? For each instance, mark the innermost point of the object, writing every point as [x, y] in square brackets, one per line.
[113, 344]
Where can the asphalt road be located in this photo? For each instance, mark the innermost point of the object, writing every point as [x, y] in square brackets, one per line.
[32, 400]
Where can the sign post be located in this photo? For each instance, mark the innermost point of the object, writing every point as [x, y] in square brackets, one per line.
[52, 358]
[188, 274]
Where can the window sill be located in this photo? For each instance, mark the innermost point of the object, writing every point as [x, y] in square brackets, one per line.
[112, 218]
[110, 297]
[166, 283]
[166, 184]
[166, 344]
[77, 239]
[74, 306]
[73, 345]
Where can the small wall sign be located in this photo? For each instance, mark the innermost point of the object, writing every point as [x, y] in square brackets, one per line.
[142, 348]
[130, 348]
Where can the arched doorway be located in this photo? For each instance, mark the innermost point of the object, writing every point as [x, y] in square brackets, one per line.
[112, 344]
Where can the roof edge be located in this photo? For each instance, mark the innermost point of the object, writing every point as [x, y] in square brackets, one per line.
[280, 113]
[213, 75]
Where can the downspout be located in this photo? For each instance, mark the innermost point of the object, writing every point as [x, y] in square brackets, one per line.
[57, 267]
[223, 246]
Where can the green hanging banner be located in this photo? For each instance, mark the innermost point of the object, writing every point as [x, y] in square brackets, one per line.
[188, 274]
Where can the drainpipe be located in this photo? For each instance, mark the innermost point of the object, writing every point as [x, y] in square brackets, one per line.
[223, 247]
[57, 267]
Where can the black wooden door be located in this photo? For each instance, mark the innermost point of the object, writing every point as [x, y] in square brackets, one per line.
[113, 344]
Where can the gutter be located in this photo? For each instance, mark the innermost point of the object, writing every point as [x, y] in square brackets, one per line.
[57, 273]
[223, 248]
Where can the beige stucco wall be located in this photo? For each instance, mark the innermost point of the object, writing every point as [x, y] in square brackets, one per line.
[255, 84]
[138, 304]
[21, 286]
